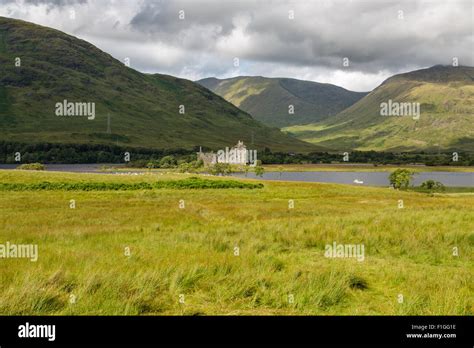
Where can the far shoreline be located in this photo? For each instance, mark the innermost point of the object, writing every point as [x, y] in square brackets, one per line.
[319, 167]
[362, 167]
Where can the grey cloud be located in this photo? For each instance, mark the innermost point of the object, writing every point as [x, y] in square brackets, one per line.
[261, 35]
[332, 31]
[55, 2]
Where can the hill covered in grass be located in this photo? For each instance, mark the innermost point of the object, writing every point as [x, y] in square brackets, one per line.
[268, 99]
[144, 109]
[446, 98]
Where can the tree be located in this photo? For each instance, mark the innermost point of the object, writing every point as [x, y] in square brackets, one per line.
[259, 171]
[221, 169]
[280, 169]
[185, 167]
[31, 166]
[432, 185]
[168, 162]
[401, 178]
[190, 167]
[153, 164]
[198, 163]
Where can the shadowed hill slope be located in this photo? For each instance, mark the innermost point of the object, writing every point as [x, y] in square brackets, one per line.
[268, 99]
[143, 108]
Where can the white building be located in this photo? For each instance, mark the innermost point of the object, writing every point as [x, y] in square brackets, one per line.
[238, 154]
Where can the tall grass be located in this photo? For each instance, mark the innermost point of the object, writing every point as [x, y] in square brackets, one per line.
[191, 251]
[188, 183]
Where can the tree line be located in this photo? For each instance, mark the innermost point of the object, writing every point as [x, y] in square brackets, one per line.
[98, 153]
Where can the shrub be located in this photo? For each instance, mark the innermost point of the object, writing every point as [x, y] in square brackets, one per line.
[259, 171]
[432, 185]
[220, 169]
[189, 183]
[153, 164]
[401, 178]
[190, 167]
[168, 162]
[31, 166]
[185, 167]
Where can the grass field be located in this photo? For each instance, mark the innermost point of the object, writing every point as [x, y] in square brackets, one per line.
[183, 260]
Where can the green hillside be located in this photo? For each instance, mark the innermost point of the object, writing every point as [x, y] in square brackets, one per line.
[268, 99]
[144, 109]
[446, 122]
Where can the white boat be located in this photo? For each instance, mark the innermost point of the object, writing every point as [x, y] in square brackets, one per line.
[357, 181]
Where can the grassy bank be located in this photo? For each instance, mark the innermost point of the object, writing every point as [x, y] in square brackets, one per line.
[188, 183]
[189, 252]
[446, 190]
[362, 168]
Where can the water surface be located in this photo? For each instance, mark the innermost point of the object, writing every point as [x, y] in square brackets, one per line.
[366, 178]
[346, 177]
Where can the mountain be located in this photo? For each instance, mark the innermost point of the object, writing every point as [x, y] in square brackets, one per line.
[143, 108]
[446, 99]
[268, 99]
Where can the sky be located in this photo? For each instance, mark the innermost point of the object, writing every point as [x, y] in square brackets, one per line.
[354, 44]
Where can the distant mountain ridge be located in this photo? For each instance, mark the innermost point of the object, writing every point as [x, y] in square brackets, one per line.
[268, 99]
[151, 111]
[446, 98]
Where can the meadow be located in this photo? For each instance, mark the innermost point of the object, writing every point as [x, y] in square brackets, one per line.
[174, 250]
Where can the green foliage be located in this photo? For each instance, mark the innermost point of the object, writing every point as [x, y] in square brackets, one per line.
[432, 185]
[141, 157]
[189, 183]
[373, 157]
[87, 153]
[31, 166]
[153, 164]
[184, 165]
[400, 178]
[259, 171]
[4, 102]
[191, 167]
[446, 189]
[168, 162]
[220, 169]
